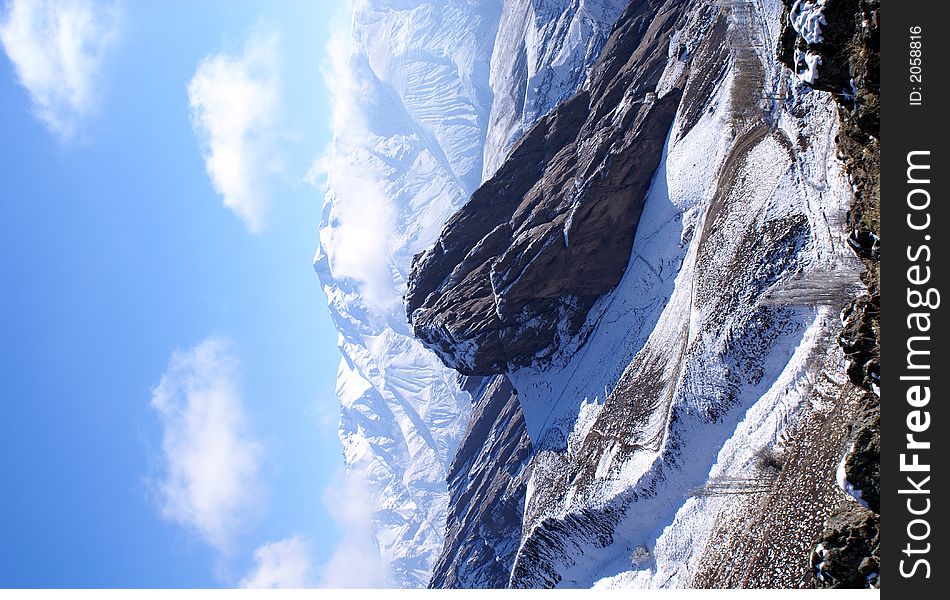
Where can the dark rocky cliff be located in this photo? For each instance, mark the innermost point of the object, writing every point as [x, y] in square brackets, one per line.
[521, 264]
[487, 483]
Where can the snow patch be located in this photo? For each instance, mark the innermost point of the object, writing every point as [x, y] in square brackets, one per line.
[841, 476]
[807, 17]
[812, 62]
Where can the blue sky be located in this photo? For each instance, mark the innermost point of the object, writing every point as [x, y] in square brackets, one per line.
[129, 286]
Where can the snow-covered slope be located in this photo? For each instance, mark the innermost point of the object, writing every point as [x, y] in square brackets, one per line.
[420, 86]
[542, 53]
[695, 365]
[706, 389]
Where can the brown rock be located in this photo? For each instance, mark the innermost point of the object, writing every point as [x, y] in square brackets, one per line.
[522, 263]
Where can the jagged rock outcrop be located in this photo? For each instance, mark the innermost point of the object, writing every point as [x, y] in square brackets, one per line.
[859, 339]
[847, 555]
[525, 259]
[487, 484]
[862, 464]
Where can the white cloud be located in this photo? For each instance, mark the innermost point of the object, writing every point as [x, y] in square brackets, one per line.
[210, 482]
[234, 102]
[57, 49]
[357, 239]
[362, 219]
[284, 564]
[356, 561]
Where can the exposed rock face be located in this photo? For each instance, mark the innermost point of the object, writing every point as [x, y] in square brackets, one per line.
[521, 264]
[847, 556]
[860, 342]
[487, 482]
[862, 464]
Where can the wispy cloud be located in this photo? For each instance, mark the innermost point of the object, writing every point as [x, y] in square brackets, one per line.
[356, 561]
[361, 224]
[210, 479]
[234, 102]
[57, 50]
[357, 239]
[285, 564]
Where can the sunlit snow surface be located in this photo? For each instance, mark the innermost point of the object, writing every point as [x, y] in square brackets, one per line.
[807, 18]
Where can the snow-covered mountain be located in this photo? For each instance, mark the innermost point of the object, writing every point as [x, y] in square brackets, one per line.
[543, 51]
[632, 227]
[430, 95]
[658, 269]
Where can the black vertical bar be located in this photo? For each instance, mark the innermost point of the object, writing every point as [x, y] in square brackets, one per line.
[914, 227]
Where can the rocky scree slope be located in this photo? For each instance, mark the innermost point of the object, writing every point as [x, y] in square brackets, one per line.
[847, 47]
